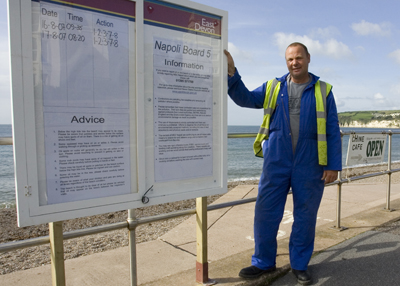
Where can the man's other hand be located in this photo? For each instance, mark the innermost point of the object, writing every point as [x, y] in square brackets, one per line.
[329, 176]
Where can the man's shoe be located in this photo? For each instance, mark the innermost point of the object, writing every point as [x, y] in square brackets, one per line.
[253, 272]
[303, 277]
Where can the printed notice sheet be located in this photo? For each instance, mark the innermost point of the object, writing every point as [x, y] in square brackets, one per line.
[85, 86]
[183, 106]
[84, 58]
[87, 156]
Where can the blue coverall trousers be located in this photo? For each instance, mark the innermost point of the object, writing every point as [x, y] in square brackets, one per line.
[307, 190]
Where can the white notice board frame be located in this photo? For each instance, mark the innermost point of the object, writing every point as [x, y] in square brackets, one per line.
[29, 138]
[191, 187]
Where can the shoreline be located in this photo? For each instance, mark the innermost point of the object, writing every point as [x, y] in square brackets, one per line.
[40, 255]
[371, 126]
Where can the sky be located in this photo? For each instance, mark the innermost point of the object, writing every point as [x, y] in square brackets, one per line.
[354, 45]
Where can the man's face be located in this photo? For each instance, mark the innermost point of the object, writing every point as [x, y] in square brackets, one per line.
[297, 62]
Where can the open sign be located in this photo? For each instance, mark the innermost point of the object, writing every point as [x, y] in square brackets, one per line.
[366, 149]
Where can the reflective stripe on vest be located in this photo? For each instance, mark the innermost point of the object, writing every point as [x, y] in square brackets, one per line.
[271, 95]
[321, 91]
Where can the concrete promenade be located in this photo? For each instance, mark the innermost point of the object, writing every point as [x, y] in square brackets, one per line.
[171, 259]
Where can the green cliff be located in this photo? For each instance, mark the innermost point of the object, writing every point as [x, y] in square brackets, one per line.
[371, 119]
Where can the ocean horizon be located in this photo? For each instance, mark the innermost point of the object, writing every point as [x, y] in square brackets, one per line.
[242, 164]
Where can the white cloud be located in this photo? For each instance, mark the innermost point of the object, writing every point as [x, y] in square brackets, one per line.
[381, 101]
[365, 28]
[395, 55]
[331, 47]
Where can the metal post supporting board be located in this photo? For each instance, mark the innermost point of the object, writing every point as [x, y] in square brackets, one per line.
[202, 242]
[57, 253]
[339, 197]
[390, 173]
[132, 246]
[339, 206]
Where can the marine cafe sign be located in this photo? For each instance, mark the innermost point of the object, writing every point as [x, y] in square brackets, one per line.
[366, 149]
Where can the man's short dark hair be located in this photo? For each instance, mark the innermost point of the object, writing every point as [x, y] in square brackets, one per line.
[299, 44]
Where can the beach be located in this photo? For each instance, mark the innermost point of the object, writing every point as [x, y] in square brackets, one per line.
[40, 255]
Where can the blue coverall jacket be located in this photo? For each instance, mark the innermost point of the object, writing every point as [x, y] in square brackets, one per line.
[283, 168]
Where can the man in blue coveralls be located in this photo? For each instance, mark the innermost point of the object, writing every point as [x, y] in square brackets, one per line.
[300, 141]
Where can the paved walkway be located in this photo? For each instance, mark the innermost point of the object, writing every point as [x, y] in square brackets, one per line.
[171, 259]
[371, 258]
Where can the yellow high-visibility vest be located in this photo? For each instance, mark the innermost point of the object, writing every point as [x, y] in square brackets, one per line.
[322, 90]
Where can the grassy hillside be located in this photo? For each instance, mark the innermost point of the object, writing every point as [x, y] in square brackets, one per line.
[365, 117]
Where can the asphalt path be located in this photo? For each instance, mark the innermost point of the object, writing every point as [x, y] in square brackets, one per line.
[371, 258]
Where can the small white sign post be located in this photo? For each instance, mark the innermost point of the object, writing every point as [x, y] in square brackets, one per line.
[366, 149]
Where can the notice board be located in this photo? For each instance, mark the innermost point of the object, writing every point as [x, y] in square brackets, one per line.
[116, 105]
[185, 115]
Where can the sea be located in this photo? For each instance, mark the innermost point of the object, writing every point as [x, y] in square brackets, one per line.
[242, 164]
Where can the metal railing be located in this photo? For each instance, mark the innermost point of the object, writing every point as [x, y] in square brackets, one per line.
[132, 222]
